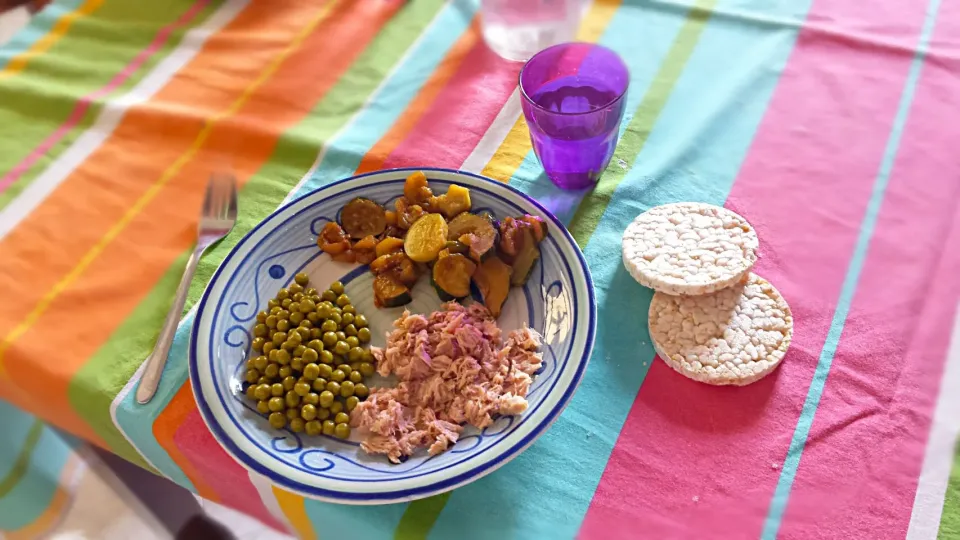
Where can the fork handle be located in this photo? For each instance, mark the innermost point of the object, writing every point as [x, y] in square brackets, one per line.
[158, 358]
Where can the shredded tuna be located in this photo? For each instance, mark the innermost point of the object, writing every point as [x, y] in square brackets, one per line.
[454, 369]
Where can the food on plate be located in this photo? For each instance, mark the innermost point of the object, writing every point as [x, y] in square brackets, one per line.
[454, 368]
[734, 336]
[439, 236]
[689, 248]
[309, 364]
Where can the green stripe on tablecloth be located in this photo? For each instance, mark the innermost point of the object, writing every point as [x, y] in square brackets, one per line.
[96, 385]
[635, 136]
[94, 50]
[20, 464]
[950, 519]
[420, 516]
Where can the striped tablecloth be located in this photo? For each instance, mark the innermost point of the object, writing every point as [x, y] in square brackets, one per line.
[832, 125]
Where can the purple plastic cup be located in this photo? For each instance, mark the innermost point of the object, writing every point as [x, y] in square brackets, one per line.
[573, 100]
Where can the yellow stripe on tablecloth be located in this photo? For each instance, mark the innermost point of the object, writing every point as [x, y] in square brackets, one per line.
[60, 28]
[154, 189]
[515, 147]
[293, 507]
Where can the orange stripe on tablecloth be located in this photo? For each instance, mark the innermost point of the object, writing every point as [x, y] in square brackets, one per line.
[296, 513]
[59, 503]
[60, 28]
[121, 258]
[181, 405]
[402, 128]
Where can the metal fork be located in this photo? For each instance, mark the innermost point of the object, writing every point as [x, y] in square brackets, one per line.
[217, 217]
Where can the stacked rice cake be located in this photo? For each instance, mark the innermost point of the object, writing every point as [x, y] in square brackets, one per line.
[711, 318]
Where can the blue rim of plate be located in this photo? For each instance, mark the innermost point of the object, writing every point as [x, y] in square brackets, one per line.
[425, 490]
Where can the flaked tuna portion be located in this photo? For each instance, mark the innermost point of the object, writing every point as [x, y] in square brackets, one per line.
[454, 369]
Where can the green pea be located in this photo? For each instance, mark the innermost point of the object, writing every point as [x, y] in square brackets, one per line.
[335, 317]
[342, 418]
[297, 318]
[329, 427]
[323, 311]
[312, 398]
[336, 407]
[292, 413]
[283, 325]
[341, 348]
[328, 326]
[350, 330]
[283, 315]
[329, 339]
[301, 279]
[263, 407]
[251, 392]
[344, 368]
[352, 341]
[297, 364]
[297, 297]
[297, 425]
[275, 404]
[282, 293]
[292, 399]
[311, 372]
[252, 376]
[341, 335]
[351, 403]
[360, 390]
[304, 333]
[326, 357]
[307, 305]
[326, 399]
[349, 309]
[313, 317]
[366, 368]
[260, 363]
[310, 356]
[355, 354]
[294, 306]
[288, 382]
[276, 390]
[346, 318]
[272, 370]
[277, 420]
[338, 375]
[295, 288]
[368, 357]
[342, 431]
[260, 330]
[285, 372]
[302, 388]
[309, 291]
[283, 357]
[285, 303]
[343, 300]
[278, 338]
[262, 317]
[346, 389]
[355, 366]
[364, 335]
[337, 287]
[308, 412]
[325, 370]
[316, 333]
[272, 303]
[313, 428]
[360, 321]
[333, 387]
[323, 414]
[329, 295]
[267, 347]
[299, 350]
[257, 344]
[355, 377]
[262, 393]
[306, 324]
[319, 385]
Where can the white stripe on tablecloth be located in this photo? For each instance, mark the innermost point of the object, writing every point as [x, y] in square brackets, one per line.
[109, 118]
[939, 456]
[191, 44]
[265, 491]
[495, 135]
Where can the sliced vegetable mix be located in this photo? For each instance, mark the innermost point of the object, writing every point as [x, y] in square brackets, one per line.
[440, 232]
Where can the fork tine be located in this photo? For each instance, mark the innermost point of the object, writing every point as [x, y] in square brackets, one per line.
[208, 200]
[232, 209]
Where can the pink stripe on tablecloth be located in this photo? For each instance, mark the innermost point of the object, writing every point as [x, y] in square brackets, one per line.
[867, 442]
[475, 94]
[84, 103]
[688, 450]
[220, 471]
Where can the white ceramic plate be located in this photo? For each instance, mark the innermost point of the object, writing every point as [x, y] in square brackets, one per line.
[558, 301]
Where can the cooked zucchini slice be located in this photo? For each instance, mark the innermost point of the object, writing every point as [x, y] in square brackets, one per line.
[389, 293]
[492, 278]
[451, 277]
[426, 238]
[363, 217]
[477, 232]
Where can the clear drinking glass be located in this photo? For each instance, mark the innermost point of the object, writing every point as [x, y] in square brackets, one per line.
[573, 101]
[517, 29]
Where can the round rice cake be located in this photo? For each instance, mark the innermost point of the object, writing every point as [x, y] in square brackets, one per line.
[689, 248]
[735, 336]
